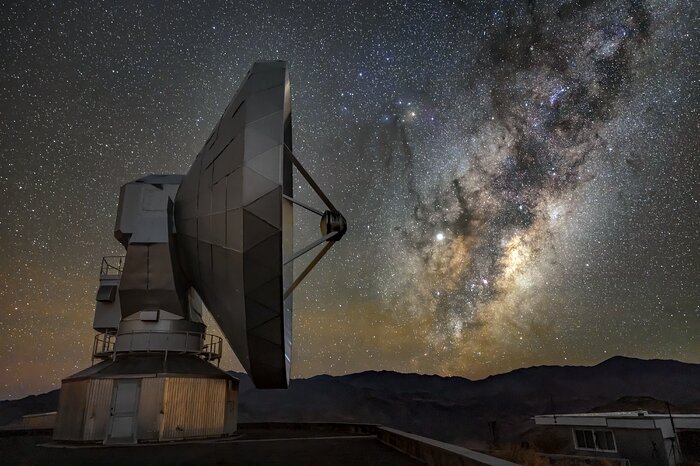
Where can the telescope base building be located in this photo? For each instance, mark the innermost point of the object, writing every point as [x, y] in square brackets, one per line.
[147, 398]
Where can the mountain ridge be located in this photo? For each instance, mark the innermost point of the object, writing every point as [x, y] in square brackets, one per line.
[539, 366]
[453, 408]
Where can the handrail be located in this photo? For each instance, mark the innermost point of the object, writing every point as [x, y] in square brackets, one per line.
[112, 265]
[104, 344]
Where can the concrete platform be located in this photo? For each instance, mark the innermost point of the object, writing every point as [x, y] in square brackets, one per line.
[256, 444]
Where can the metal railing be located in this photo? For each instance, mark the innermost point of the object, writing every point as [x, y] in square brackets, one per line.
[112, 265]
[103, 345]
[581, 460]
[209, 346]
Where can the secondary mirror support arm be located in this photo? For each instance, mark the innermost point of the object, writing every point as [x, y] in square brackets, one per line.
[309, 247]
[301, 204]
[308, 269]
[309, 180]
[333, 224]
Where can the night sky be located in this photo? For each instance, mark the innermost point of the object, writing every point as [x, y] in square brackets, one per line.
[520, 178]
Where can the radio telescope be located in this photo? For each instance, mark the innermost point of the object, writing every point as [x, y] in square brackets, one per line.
[220, 236]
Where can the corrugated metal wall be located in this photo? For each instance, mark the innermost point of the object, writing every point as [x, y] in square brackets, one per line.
[98, 404]
[71, 408]
[193, 407]
[150, 405]
[169, 408]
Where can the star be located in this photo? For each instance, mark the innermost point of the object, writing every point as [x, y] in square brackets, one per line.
[469, 144]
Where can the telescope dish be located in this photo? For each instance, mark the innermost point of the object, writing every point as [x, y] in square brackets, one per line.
[234, 224]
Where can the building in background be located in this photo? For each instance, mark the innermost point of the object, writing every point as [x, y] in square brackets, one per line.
[636, 438]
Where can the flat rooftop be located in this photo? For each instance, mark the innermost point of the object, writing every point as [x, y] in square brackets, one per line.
[255, 444]
[626, 414]
[283, 447]
[624, 419]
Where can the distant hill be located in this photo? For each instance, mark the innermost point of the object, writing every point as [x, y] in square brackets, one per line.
[12, 410]
[455, 409]
[459, 410]
[646, 403]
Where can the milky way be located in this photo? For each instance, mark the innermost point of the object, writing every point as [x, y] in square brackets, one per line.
[559, 74]
[520, 178]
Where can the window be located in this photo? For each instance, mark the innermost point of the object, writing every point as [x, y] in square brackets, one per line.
[601, 440]
[604, 440]
[584, 439]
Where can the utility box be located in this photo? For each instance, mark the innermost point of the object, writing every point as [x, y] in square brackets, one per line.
[107, 309]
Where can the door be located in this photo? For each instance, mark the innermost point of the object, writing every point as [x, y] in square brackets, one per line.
[230, 415]
[123, 411]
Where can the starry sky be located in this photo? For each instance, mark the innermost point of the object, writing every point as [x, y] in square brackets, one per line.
[520, 178]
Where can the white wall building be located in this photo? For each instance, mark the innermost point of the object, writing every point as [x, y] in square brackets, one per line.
[640, 437]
